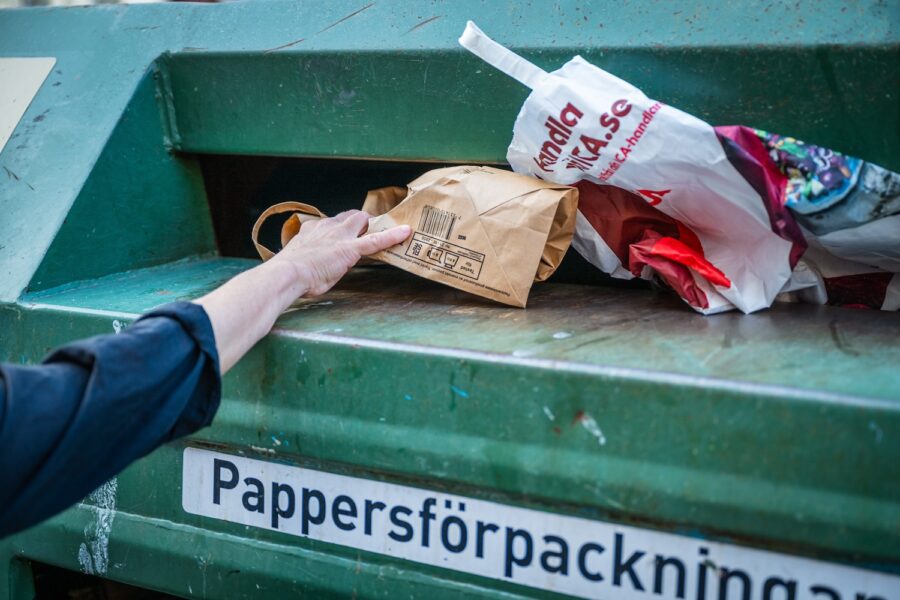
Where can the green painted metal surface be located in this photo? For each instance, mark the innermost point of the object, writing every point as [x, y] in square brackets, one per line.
[712, 424]
[379, 104]
[354, 82]
[140, 206]
[777, 430]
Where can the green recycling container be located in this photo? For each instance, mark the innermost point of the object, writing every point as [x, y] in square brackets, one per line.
[395, 438]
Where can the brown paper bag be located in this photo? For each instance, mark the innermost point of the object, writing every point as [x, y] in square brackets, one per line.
[479, 229]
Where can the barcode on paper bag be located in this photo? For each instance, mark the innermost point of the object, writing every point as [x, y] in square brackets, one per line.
[436, 222]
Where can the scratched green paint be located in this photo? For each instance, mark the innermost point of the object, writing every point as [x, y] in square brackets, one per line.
[824, 71]
[677, 450]
[713, 425]
[443, 106]
[792, 346]
[680, 453]
[140, 205]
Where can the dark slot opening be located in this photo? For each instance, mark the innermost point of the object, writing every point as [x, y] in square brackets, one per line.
[239, 188]
[55, 583]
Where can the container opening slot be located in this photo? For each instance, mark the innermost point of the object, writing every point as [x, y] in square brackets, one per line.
[240, 187]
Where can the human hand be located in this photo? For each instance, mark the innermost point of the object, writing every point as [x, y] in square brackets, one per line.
[324, 250]
[244, 309]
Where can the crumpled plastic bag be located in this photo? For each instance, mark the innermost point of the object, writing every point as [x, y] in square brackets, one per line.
[729, 217]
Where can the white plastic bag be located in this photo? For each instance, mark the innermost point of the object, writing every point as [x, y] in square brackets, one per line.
[581, 123]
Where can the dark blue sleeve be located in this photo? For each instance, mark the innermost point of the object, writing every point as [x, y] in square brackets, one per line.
[96, 405]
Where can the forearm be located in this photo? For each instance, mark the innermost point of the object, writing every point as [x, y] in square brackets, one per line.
[244, 309]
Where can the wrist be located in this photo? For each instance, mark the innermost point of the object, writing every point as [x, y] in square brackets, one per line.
[289, 279]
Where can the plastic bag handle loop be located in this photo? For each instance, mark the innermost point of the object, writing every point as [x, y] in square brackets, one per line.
[475, 41]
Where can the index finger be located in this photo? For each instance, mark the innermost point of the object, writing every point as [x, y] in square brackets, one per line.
[343, 216]
[358, 222]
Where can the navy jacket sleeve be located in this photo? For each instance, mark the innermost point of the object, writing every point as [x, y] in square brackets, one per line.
[96, 405]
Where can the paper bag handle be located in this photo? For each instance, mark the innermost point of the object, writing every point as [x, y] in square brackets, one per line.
[303, 212]
[475, 41]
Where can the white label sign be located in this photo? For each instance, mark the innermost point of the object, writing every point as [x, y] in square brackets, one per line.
[20, 80]
[567, 555]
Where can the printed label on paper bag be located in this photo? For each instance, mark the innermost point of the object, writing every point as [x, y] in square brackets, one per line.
[445, 256]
